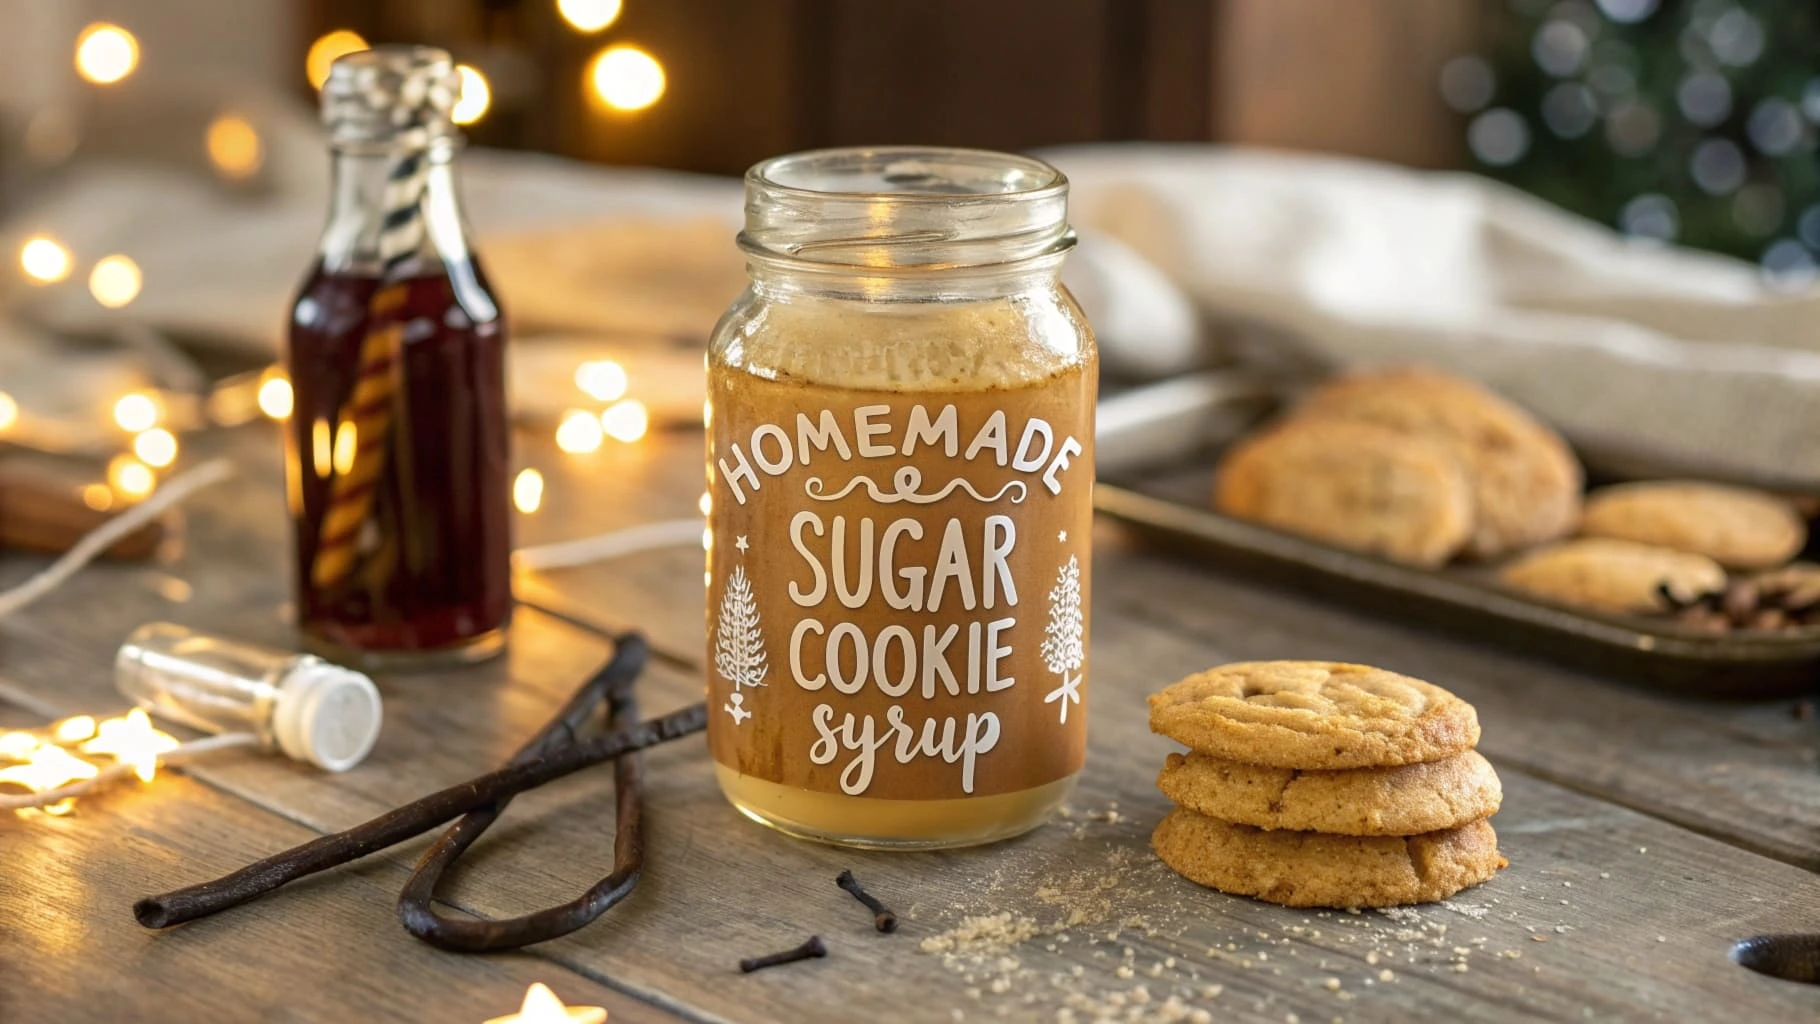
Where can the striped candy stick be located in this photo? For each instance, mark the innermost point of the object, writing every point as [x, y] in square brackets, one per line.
[369, 409]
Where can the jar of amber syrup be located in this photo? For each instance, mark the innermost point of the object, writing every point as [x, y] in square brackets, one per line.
[900, 472]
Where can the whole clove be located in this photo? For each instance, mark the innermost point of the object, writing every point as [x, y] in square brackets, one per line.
[882, 917]
[1771, 602]
[811, 950]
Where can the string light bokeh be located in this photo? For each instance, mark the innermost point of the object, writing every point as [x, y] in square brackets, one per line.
[106, 53]
[626, 78]
[621, 77]
[1693, 122]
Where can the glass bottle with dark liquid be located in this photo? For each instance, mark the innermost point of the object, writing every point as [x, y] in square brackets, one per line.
[397, 451]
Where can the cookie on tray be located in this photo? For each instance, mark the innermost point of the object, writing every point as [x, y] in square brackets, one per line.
[1400, 801]
[1737, 527]
[1525, 480]
[1310, 869]
[1612, 575]
[1349, 484]
[1314, 715]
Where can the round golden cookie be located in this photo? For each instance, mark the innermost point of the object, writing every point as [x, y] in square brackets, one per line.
[1401, 801]
[1352, 485]
[1734, 526]
[1311, 869]
[1314, 714]
[1525, 481]
[1612, 575]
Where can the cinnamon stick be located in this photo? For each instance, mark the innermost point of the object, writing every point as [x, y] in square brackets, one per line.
[412, 819]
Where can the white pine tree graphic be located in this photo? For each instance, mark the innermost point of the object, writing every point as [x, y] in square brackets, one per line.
[1061, 647]
[739, 644]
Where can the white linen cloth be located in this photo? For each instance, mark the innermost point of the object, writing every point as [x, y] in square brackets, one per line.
[1672, 356]
[1652, 353]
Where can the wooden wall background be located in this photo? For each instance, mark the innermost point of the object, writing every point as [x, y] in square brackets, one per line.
[751, 78]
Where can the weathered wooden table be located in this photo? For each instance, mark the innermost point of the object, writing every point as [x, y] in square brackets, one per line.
[1645, 834]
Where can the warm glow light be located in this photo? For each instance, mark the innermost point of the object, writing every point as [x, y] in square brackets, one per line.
[234, 146]
[707, 412]
[627, 78]
[133, 741]
[115, 281]
[74, 730]
[588, 15]
[136, 412]
[706, 504]
[275, 398]
[129, 477]
[44, 259]
[48, 767]
[324, 51]
[626, 421]
[476, 96]
[707, 538]
[579, 432]
[156, 447]
[347, 443]
[320, 451]
[603, 380]
[106, 53]
[541, 1006]
[527, 491]
[9, 411]
[17, 746]
[98, 497]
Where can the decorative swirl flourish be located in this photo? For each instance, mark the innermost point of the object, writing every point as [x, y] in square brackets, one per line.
[906, 485]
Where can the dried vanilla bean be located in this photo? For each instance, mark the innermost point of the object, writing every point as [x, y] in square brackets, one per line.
[410, 820]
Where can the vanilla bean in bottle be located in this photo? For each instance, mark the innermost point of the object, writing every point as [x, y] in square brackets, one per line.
[900, 472]
[397, 445]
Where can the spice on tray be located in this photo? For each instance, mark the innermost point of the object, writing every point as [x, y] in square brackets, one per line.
[882, 918]
[1784, 599]
[811, 950]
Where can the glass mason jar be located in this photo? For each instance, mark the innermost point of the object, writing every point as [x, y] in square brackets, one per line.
[900, 474]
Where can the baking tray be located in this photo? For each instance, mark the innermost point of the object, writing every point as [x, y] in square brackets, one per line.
[1163, 443]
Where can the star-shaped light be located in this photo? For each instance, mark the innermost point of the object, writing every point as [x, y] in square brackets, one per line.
[132, 740]
[740, 542]
[542, 1007]
[1063, 536]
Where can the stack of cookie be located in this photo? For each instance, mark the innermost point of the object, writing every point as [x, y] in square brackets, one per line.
[1320, 784]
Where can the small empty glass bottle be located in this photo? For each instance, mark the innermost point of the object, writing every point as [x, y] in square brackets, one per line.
[298, 704]
[398, 457]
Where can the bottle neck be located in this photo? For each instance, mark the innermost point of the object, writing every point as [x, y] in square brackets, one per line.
[357, 209]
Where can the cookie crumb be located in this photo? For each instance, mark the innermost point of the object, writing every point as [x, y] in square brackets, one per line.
[1459, 968]
[1387, 975]
[1661, 938]
[1331, 984]
[1124, 972]
[1604, 874]
[1371, 958]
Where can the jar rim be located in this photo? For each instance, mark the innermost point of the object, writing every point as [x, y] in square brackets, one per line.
[1025, 178]
[905, 207]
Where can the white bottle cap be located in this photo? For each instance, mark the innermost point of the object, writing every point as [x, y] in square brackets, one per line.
[327, 715]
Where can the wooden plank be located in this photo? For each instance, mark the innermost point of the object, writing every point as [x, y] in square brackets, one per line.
[70, 950]
[1738, 772]
[719, 887]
